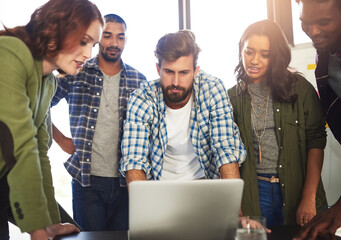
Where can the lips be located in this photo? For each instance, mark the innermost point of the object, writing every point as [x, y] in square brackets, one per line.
[79, 64]
[254, 69]
[319, 40]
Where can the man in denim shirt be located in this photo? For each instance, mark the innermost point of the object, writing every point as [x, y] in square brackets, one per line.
[181, 125]
[97, 99]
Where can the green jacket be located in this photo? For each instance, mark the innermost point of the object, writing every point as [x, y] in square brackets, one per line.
[299, 127]
[24, 100]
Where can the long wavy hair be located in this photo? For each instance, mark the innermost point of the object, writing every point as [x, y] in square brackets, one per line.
[56, 25]
[279, 78]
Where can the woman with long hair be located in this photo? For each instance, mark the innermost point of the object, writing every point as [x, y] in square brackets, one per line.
[59, 36]
[281, 124]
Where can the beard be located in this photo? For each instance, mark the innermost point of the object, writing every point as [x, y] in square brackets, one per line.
[107, 57]
[175, 97]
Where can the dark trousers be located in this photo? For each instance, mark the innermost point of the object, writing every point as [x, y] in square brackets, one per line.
[102, 206]
[6, 212]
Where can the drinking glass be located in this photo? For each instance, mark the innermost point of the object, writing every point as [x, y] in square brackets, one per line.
[251, 228]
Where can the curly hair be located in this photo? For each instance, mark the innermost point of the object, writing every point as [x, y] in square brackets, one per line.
[56, 25]
[279, 78]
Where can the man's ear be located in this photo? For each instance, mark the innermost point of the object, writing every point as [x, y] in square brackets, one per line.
[158, 69]
[196, 70]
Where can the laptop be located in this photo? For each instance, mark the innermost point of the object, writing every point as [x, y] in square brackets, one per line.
[197, 209]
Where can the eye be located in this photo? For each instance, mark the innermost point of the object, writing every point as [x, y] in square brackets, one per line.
[83, 43]
[265, 55]
[324, 22]
[248, 52]
[183, 72]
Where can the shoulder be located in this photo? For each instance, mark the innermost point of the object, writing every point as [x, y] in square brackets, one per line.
[148, 89]
[15, 52]
[133, 73]
[208, 82]
[14, 44]
[302, 84]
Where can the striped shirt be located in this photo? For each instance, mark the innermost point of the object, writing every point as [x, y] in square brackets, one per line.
[214, 134]
[83, 93]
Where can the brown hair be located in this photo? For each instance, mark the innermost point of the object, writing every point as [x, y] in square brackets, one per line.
[56, 25]
[279, 78]
[175, 45]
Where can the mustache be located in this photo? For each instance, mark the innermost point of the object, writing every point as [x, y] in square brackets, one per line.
[113, 48]
[175, 88]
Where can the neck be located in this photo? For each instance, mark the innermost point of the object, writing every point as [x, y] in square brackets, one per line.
[48, 66]
[109, 68]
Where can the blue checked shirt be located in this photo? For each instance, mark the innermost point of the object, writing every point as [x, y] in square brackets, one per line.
[214, 134]
[83, 94]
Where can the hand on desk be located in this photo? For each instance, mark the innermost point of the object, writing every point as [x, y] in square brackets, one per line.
[305, 211]
[325, 223]
[53, 230]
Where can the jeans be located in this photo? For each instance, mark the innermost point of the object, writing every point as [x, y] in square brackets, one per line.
[102, 206]
[271, 201]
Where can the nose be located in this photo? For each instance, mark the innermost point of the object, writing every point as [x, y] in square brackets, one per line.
[114, 42]
[175, 80]
[313, 30]
[87, 52]
[255, 59]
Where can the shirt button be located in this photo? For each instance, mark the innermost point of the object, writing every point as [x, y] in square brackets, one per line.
[282, 184]
[100, 79]
[283, 204]
[280, 166]
[92, 127]
[89, 143]
[97, 93]
[277, 109]
[95, 110]
[279, 129]
[296, 121]
[88, 160]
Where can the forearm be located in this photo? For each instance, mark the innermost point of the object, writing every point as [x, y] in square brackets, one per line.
[313, 173]
[135, 175]
[230, 170]
[58, 136]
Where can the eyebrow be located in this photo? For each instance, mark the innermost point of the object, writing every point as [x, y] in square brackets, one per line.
[266, 51]
[87, 35]
[110, 33]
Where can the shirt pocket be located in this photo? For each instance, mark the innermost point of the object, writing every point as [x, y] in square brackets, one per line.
[291, 130]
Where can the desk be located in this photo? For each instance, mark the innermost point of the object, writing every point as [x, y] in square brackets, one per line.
[278, 233]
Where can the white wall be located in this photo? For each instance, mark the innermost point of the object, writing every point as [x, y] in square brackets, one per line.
[303, 57]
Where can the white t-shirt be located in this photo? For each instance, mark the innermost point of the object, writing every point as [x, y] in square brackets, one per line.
[180, 161]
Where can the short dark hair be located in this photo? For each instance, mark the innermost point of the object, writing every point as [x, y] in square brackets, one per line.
[175, 45]
[115, 19]
[337, 2]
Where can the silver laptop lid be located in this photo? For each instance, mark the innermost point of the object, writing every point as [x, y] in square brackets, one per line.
[197, 209]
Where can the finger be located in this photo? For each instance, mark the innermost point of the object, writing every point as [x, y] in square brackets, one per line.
[303, 233]
[317, 229]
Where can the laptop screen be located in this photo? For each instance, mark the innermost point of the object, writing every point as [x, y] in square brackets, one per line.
[197, 209]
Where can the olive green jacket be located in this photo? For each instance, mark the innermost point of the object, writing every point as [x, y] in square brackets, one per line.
[24, 100]
[299, 127]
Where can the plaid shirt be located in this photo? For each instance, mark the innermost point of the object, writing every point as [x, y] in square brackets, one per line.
[214, 134]
[83, 93]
